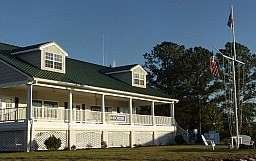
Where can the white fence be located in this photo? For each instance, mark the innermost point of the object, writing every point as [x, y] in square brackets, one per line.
[13, 114]
[81, 116]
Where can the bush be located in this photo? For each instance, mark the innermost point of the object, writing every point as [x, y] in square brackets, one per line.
[52, 143]
[179, 140]
[73, 147]
[104, 144]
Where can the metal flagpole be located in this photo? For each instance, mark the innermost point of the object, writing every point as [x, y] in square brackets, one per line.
[234, 76]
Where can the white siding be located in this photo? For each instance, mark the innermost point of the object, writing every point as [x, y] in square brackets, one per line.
[8, 74]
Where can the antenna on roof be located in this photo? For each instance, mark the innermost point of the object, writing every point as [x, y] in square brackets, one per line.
[103, 52]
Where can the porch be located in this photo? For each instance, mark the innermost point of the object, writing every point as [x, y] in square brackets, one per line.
[9, 115]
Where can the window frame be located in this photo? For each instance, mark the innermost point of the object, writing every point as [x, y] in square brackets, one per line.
[139, 79]
[54, 61]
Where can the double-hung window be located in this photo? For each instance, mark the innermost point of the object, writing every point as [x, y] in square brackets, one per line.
[8, 103]
[98, 108]
[51, 109]
[139, 79]
[53, 60]
[38, 110]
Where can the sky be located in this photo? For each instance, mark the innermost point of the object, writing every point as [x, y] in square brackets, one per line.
[128, 28]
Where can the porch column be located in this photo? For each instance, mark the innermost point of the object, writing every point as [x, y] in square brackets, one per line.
[103, 108]
[172, 113]
[130, 108]
[29, 102]
[70, 104]
[153, 112]
[29, 117]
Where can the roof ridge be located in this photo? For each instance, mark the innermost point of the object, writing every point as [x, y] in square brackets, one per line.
[9, 44]
[87, 62]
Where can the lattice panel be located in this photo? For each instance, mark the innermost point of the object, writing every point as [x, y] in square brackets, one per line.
[144, 138]
[40, 137]
[164, 138]
[12, 141]
[119, 139]
[88, 140]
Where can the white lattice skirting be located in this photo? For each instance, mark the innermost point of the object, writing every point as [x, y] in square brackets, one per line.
[119, 139]
[88, 140]
[41, 136]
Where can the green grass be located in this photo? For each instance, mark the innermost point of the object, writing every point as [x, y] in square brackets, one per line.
[184, 152]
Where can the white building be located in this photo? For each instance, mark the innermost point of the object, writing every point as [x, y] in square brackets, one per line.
[43, 93]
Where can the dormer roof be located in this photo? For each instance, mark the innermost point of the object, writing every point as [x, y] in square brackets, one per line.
[121, 69]
[37, 47]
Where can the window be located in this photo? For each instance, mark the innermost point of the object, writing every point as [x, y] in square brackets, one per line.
[38, 111]
[98, 108]
[0, 103]
[139, 79]
[48, 60]
[49, 104]
[53, 60]
[142, 79]
[51, 109]
[36, 103]
[8, 103]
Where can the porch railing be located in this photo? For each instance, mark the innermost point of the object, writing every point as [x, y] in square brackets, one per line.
[13, 114]
[80, 116]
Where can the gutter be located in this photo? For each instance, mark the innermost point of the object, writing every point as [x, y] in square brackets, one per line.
[103, 89]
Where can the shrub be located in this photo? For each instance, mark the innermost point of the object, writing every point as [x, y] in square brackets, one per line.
[179, 139]
[137, 145]
[104, 144]
[52, 143]
[73, 147]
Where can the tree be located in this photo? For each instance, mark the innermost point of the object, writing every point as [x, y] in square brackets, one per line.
[185, 75]
[246, 87]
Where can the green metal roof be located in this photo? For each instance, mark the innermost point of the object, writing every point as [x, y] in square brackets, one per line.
[77, 72]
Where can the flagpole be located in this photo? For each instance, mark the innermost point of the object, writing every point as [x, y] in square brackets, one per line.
[234, 76]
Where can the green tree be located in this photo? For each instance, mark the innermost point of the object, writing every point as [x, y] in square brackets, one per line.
[246, 87]
[185, 75]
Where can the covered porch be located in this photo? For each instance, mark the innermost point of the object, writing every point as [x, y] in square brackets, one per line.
[53, 103]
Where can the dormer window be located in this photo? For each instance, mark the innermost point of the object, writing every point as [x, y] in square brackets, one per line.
[139, 79]
[53, 60]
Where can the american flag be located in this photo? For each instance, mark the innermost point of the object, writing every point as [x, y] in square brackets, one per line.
[214, 68]
[230, 20]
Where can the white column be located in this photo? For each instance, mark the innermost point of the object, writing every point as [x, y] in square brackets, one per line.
[103, 108]
[29, 102]
[130, 108]
[70, 104]
[29, 117]
[172, 113]
[153, 112]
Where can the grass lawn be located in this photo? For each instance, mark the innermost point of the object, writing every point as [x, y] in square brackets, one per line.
[184, 152]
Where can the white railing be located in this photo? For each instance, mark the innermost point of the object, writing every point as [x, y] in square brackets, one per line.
[40, 113]
[86, 116]
[142, 119]
[164, 121]
[12, 114]
[81, 116]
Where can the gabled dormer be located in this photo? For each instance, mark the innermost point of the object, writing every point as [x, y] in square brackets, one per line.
[47, 56]
[135, 75]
